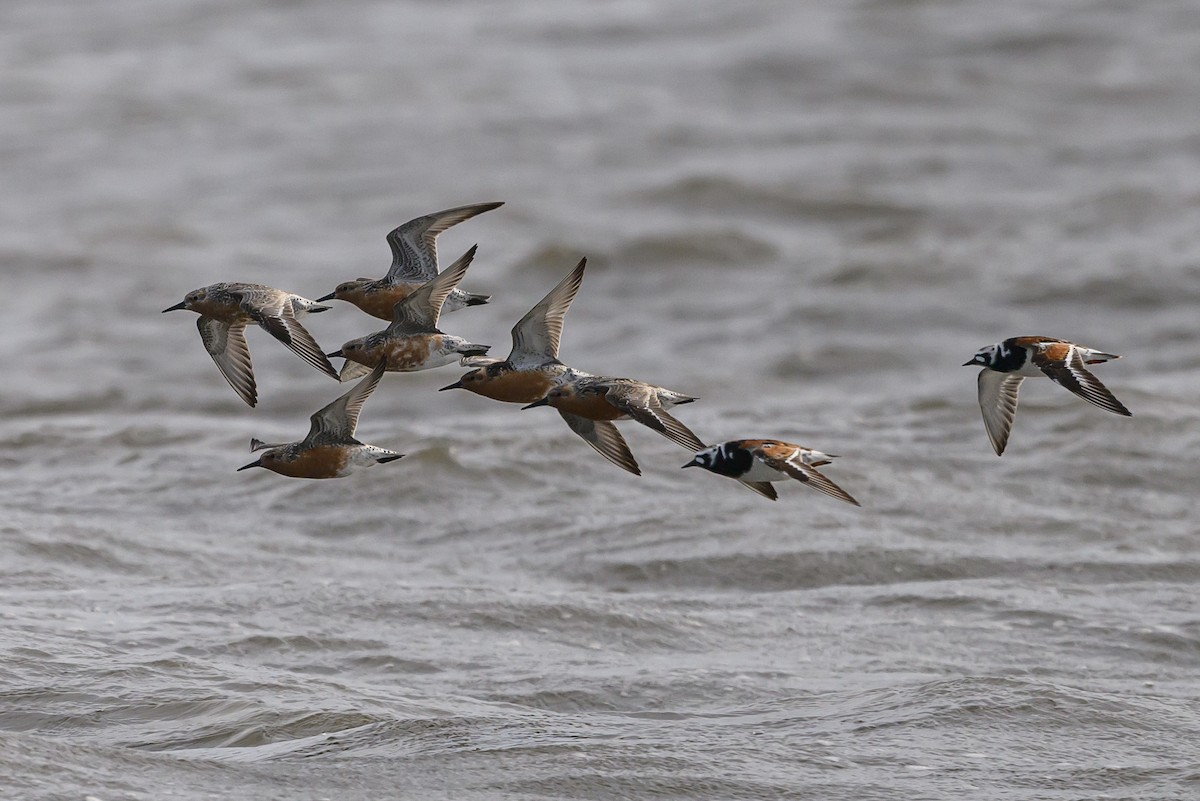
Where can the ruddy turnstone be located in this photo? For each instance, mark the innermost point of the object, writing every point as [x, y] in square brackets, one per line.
[226, 309]
[757, 462]
[330, 449]
[414, 262]
[1007, 364]
[413, 342]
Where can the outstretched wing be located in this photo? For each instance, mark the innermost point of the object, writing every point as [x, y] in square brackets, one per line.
[352, 370]
[414, 244]
[763, 488]
[795, 467]
[640, 401]
[280, 322]
[1074, 376]
[227, 346]
[419, 312]
[604, 437]
[535, 336]
[998, 402]
[337, 421]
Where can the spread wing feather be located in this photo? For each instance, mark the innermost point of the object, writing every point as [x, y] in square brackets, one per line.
[282, 324]
[337, 421]
[998, 402]
[414, 244]
[797, 469]
[1077, 378]
[352, 370]
[535, 336]
[419, 312]
[763, 488]
[642, 404]
[227, 346]
[604, 437]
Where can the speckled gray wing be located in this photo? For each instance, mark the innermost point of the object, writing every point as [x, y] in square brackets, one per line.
[640, 402]
[535, 336]
[414, 244]
[1076, 377]
[227, 346]
[277, 317]
[336, 422]
[807, 474]
[604, 437]
[419, 312]
[998, 402]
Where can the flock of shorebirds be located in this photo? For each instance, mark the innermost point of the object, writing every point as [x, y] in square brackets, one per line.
[413, 295]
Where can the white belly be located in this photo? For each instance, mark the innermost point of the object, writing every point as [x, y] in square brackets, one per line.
[761, 472]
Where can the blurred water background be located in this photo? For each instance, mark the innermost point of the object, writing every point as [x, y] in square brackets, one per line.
[809, 214]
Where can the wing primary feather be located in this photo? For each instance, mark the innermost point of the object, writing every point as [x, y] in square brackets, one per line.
[604, 437]
[226, 344]
[998, 402]
[414, 244]
[1078, 379]
[420, 311]
[642, 405]
[763, 488]
[352, 370]
[819, 481]
[291, 332]
[536, 335]
[807, 474]
[337, 421]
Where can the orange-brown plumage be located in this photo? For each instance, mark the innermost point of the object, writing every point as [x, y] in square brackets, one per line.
[325, 461]
[593, 407]
[411, 352]
[402, 353]
[377, 300]
[1055, 353]
[774, 449]
[511, 385]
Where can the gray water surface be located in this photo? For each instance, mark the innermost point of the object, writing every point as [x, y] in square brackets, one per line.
[808, 214]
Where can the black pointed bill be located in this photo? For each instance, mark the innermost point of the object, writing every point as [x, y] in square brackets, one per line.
[330, 296]
[337, 354]
[255, 463]
[177, 307]
[455, 385]
[543, 402]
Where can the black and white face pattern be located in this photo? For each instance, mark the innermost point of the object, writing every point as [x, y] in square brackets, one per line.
[1002, 357]
[725, 459]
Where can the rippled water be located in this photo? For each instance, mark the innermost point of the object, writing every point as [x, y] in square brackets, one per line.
[808, 214]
